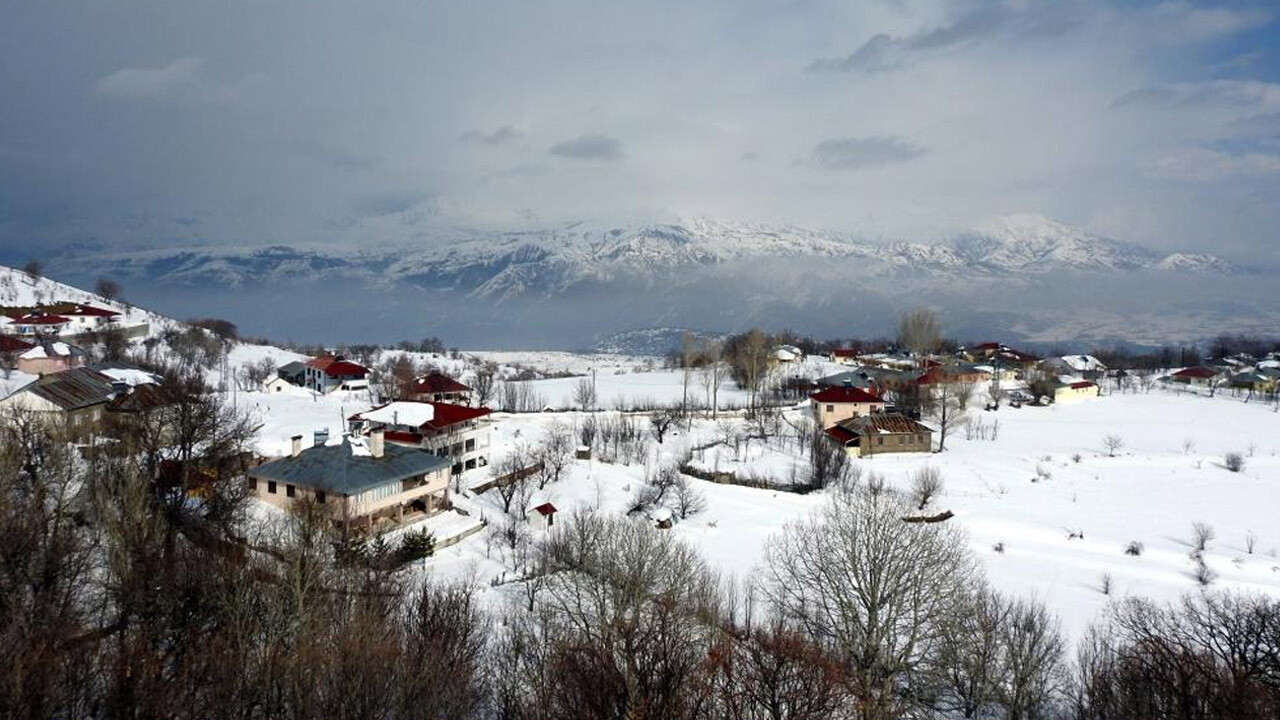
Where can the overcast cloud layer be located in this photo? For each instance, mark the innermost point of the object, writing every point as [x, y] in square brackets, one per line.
[296, 122]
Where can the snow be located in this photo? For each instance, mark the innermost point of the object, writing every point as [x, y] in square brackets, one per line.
[411, 414]
[1025, 490]
[130, 376]
[14, 381]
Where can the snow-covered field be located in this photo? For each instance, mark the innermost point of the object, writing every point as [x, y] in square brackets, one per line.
[1047, 476]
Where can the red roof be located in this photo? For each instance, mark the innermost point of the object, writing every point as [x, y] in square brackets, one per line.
[92, 311]
[844, 395]
[545, 509]
[9, 343]
[449, 414]
[1198, 371]
[844, 352]
[40, 319]
[436, 383]
[988, 346]
[1081, 385]
[840, 435]
[336, 366]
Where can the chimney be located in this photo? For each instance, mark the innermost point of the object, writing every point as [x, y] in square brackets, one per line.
[297, 445]
[377, 443]
[847, 383]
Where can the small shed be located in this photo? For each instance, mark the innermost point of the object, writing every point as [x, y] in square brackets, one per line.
[543, 516]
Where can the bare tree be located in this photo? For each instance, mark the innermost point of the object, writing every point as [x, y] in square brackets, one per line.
[107, 289]
[1112, 444]
[34, 269]
[926, 484]
[919, 332]
[584, 394]
[828, 462]
[664, 419]
[1202, 534]
[712, 373]
[689, 500]
[945, 407]
[555, 452]
[511, 470]
[874, 589]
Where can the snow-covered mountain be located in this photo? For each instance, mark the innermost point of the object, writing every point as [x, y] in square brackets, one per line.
[545, 262]
[569, 285]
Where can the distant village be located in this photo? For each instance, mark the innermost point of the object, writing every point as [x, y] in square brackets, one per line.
[398, 456]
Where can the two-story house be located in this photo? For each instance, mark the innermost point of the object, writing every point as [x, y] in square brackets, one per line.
[455, 432]
[834, 404]
[362, 479]
[334, 372]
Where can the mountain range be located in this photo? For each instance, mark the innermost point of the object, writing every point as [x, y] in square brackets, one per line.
[565, 285]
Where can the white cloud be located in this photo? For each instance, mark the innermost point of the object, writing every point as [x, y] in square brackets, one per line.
[145, 82]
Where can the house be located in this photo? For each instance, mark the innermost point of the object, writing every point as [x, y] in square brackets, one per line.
[11, 346]
[49, 356]
[1085, 366]
[86, 318]
[1066, 392]
[850, 378]
[436, 387]
[1197, 376]
[953, 374]
[787, 354]
[456, 432]
[38, 322]
[77, 397]
[881, 434]
[1002, 355]
[844, 356]
[832, 405]
[276, 384]
[543, 516]
[362, 480]
[1258, 381]
[334, 372]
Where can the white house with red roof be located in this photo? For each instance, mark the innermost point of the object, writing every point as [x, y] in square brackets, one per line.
[334, 372]
[38, 322]
[456, 432]
[834, 404]
[87, 318]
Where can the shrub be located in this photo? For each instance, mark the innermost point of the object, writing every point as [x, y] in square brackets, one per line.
[926, 484]
[998, 547]
[417, 545]
[1134, 548]
[1234, 461]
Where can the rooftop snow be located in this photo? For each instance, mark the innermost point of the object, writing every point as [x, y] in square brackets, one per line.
[411, 414]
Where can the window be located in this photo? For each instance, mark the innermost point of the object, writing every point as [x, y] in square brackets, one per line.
[902, 440]
[471, 445]
[271, 486]
[320, 497]
[879, 441]
[831, 408]
[253, 484]
[289, 490]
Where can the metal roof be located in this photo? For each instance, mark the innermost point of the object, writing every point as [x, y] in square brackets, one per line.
[73, 389]
[337, 469]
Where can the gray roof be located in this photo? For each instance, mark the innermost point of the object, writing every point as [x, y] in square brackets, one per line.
[73, 389]
[856, 378]
[333, 468]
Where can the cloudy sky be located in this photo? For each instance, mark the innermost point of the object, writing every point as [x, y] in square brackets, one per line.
[303, 122]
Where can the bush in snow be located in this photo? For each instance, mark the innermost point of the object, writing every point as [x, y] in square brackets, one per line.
[1134, 548]
[1234, 461]
[417, 545]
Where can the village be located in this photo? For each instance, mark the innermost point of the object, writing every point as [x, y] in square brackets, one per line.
[1050, 464]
